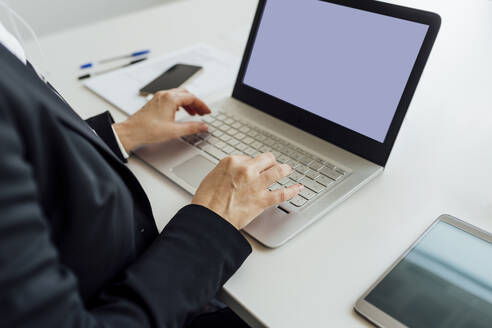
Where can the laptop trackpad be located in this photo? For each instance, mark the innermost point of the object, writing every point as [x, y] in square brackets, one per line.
[194, 170]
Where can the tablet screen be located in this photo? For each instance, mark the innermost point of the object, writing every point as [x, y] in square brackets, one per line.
[444, 281]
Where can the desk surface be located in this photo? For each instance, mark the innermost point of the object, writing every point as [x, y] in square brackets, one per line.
[441, 163]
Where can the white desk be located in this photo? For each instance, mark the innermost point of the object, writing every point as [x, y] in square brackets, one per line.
[442, 160]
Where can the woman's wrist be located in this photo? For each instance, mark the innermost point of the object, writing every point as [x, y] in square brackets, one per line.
[126, 135]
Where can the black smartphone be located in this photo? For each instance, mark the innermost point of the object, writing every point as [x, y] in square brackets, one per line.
[172, 78]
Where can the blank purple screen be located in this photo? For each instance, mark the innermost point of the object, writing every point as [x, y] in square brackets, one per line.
[346, 65]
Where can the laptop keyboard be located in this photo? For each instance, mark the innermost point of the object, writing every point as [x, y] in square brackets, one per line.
[228, 135]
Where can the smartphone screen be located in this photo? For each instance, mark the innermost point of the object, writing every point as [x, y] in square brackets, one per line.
[172, 78]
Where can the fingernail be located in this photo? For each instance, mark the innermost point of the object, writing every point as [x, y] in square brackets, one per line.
[204, 127]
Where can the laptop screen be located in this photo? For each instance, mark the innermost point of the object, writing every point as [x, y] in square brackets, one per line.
[345, 65]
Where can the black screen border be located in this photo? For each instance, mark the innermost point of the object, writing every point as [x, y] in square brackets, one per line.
[332, 132]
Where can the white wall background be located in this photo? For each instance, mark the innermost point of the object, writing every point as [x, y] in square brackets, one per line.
[48, 16]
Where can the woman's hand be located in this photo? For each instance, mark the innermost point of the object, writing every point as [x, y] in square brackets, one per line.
[237, 188]
[155, 121]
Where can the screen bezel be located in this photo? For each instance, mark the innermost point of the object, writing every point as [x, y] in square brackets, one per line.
[332, 132]
[378, 316]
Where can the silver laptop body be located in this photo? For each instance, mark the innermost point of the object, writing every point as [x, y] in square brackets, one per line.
[187, 165]
[253, 121]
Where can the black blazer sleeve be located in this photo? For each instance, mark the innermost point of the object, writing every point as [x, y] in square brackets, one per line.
[102, 125]
[178, 273]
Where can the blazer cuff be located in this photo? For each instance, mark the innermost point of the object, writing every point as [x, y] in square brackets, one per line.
[102, 125]
[227, 233]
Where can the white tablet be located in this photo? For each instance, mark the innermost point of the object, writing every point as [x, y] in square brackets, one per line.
[443, 280]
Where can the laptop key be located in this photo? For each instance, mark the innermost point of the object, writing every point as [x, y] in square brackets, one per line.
[290, 183]
[313, 185]
[339, 170]
[201, 145]
[296, 156]
[248, 140]
[219, 154]
[292, 163]
[312, 174]
[298, 201]
[207, 138]
[206, 147]
[252, 133]
[284, 180]
[223, 127]
[217, 133]
[283, 159]
[228, 149]
[208, 119]
[233, 142]
[260, 137]
[250, 151]
[307, 193]
[315, 165]
[306, 160]
[276, 153]
[296, 176]
[327, 164]
[256, 144]
[278, 146]
[288, 151]
[220, 144]
[213, 140]
[232, 131]
[324, 180]
[331, 173]
[302, 168]
[225, 137]
[241, 146]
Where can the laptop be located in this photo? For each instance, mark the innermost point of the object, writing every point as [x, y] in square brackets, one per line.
[324, 86]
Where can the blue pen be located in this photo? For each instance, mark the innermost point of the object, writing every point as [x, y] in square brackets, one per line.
[133, 54]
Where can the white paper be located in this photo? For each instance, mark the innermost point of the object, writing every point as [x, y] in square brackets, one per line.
[121, 87]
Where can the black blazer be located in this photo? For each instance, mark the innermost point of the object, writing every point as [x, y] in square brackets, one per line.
[78, 242]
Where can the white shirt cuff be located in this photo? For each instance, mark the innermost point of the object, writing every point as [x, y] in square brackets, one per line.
[120, 145]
